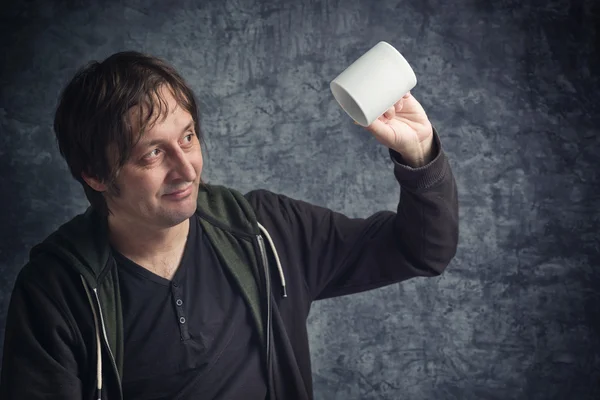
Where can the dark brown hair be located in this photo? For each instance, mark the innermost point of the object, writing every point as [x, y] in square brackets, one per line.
[93, 121]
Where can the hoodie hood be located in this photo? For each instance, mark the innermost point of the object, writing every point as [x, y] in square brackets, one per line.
[82, 243]
[227, 209]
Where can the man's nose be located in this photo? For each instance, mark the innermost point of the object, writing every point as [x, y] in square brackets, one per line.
[183, 166]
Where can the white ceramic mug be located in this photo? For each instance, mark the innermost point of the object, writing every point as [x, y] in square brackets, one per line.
[373, 83]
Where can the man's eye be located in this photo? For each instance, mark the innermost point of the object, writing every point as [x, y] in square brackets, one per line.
[152, 154]
[189, 138]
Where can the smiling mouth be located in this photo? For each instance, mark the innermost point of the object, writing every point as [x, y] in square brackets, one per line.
[180, 193]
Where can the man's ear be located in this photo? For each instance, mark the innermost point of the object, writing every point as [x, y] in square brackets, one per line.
[94, 183]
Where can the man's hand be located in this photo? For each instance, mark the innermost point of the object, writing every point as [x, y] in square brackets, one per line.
[405, 128]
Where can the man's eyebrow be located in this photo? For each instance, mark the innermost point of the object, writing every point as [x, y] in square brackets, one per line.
[157, 141]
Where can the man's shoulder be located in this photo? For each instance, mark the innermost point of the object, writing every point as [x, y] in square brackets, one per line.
[48, 274]
[47, 262]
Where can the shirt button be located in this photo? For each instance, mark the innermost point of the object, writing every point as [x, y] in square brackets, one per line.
[179, 302]
[182, 320]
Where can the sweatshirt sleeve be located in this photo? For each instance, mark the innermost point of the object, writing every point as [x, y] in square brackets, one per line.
[339, 255]
[38, 360]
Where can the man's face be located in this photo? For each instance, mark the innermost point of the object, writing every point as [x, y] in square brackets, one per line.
[158, 186]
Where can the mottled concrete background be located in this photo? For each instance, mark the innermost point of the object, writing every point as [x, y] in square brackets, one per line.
[513, 88]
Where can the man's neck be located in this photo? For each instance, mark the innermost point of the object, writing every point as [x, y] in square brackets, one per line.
[145, 244]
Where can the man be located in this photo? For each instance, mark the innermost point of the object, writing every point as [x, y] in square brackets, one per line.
[167, 287]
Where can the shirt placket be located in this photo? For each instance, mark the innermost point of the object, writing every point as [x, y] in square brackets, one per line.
[177, 296]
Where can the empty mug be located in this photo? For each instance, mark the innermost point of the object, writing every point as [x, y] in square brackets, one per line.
[373, 83]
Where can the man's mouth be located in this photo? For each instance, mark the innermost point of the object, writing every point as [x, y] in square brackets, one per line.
[181, 193]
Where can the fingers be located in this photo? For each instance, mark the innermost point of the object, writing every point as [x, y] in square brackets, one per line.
[396, 108]
[378, 128]
[399, 104]
[390, 112]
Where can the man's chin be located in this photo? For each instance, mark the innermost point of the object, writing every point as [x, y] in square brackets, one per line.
[177, 211]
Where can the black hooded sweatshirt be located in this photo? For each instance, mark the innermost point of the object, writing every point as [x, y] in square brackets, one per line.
[64, 330]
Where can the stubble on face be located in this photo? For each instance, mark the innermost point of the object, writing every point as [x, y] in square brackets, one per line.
[166, 159]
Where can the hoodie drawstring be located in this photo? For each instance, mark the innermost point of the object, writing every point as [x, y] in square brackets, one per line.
[98, 342]
[281, 275]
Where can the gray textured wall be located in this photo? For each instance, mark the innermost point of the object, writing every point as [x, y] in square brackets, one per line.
[513, 89]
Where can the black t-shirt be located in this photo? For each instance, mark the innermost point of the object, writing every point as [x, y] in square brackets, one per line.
[191, 337]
